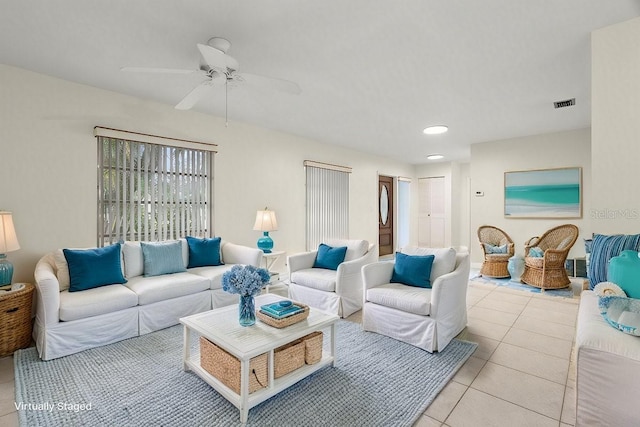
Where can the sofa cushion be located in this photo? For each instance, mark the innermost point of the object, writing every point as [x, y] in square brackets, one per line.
[96, 301]
[444, 262]
[355, 248]
[162, 258]
[91, 268]
[203, 252]
[329, 257]
[413, 270]
[167, 286]
[316, 278]
[410, 299]
[212, 274]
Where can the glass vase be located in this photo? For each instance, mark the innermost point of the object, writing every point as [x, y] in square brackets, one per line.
[246, 310]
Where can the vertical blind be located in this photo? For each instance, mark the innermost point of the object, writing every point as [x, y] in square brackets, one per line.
[327, 202]
[150, 192]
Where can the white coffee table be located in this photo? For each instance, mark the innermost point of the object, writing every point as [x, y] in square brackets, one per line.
[221, 327]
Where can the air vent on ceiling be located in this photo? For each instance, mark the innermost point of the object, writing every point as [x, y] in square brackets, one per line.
[565, 103]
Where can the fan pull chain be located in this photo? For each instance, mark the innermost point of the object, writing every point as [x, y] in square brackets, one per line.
[226, 102]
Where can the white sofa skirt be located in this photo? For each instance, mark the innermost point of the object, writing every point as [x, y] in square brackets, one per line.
[64, 338]
[325, 301]
[163, 314]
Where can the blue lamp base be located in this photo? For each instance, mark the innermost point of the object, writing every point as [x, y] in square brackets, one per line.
[6, 270]
[265, 243]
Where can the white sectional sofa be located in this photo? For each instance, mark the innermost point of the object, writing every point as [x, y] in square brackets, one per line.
[608, 370]
[69, 322]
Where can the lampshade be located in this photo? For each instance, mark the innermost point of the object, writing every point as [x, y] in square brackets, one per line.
[265, 221]
[8, 238]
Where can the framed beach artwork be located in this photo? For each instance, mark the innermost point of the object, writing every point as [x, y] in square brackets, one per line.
[544, 193]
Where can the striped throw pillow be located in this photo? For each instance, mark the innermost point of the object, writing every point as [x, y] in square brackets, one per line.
[603, 249]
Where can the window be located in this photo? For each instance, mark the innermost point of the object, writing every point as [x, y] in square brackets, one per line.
[327, 202]
[152, 188]
[404, 211]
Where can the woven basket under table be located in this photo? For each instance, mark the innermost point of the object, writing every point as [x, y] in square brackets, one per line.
[15, 320]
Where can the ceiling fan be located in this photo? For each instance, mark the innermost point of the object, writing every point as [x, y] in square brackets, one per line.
[219, 68]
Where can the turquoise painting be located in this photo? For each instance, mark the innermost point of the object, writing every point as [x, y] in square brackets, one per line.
[548, 193]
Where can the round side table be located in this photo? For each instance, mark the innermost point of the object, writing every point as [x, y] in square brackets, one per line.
[15, 319]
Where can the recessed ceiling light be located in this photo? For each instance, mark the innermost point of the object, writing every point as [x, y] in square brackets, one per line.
[435, 157]
[435, 130]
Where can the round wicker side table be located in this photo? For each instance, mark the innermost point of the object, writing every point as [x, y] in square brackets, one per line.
[15, 319]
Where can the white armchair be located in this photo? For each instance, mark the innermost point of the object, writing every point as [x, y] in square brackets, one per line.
[334, 291]
[423, 317]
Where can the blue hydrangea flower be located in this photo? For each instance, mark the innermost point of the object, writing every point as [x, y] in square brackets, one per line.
[245, 280]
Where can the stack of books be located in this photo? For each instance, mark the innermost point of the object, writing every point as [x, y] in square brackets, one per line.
[281, 309]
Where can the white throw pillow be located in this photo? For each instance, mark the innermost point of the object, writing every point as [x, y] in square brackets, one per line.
[133, 260]
[443, 263]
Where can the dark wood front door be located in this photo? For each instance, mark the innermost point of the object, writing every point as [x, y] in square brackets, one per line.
[385, 214]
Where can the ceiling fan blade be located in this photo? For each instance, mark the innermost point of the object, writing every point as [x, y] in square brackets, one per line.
[217, 59]
[157, 70]
[272, 83]
[195, 95]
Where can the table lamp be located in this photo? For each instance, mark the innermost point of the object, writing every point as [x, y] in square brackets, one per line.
[8, 243]
[265, 222]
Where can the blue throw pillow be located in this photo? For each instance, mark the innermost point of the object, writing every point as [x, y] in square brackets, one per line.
[204, 252]
[162, 258]
[536, 252]
[603, 248]
[91, 268]
[328, 257]
[413, 270]
[492, 249]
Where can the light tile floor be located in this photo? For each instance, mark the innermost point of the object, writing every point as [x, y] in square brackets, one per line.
[523, 372]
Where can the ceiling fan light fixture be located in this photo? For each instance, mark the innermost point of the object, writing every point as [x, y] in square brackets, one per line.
[435, 130]
[435, 157]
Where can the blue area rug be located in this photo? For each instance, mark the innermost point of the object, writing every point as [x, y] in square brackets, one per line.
[376, 381]
[508, 283]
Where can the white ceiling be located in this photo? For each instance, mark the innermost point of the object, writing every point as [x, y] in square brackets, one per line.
[373, 73]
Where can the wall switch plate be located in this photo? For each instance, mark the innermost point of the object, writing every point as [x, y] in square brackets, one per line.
[479, 193]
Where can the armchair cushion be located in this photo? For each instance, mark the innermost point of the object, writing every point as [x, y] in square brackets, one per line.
[395, 295]
[204, 252]
[329, 257]
[91, 268]
[316, 278]
[413, 270]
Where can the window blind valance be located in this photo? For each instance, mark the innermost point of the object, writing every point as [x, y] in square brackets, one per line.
[153, 139]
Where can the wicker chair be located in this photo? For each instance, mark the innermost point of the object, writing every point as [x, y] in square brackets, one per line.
[495, 265]
[548, 271]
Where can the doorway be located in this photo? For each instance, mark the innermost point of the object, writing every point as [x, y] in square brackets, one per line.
[385, 215]
[431, 212]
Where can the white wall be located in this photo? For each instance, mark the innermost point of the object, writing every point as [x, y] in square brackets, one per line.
[489, 162]
[48, 167]
[615, 128]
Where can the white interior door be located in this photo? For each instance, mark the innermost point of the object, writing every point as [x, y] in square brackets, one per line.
[431, 212]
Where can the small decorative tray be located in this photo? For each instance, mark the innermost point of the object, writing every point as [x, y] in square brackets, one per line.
[287, 321]
[622, 313]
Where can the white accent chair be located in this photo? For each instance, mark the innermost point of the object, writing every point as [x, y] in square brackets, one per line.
[423, 317]
[338, 292]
